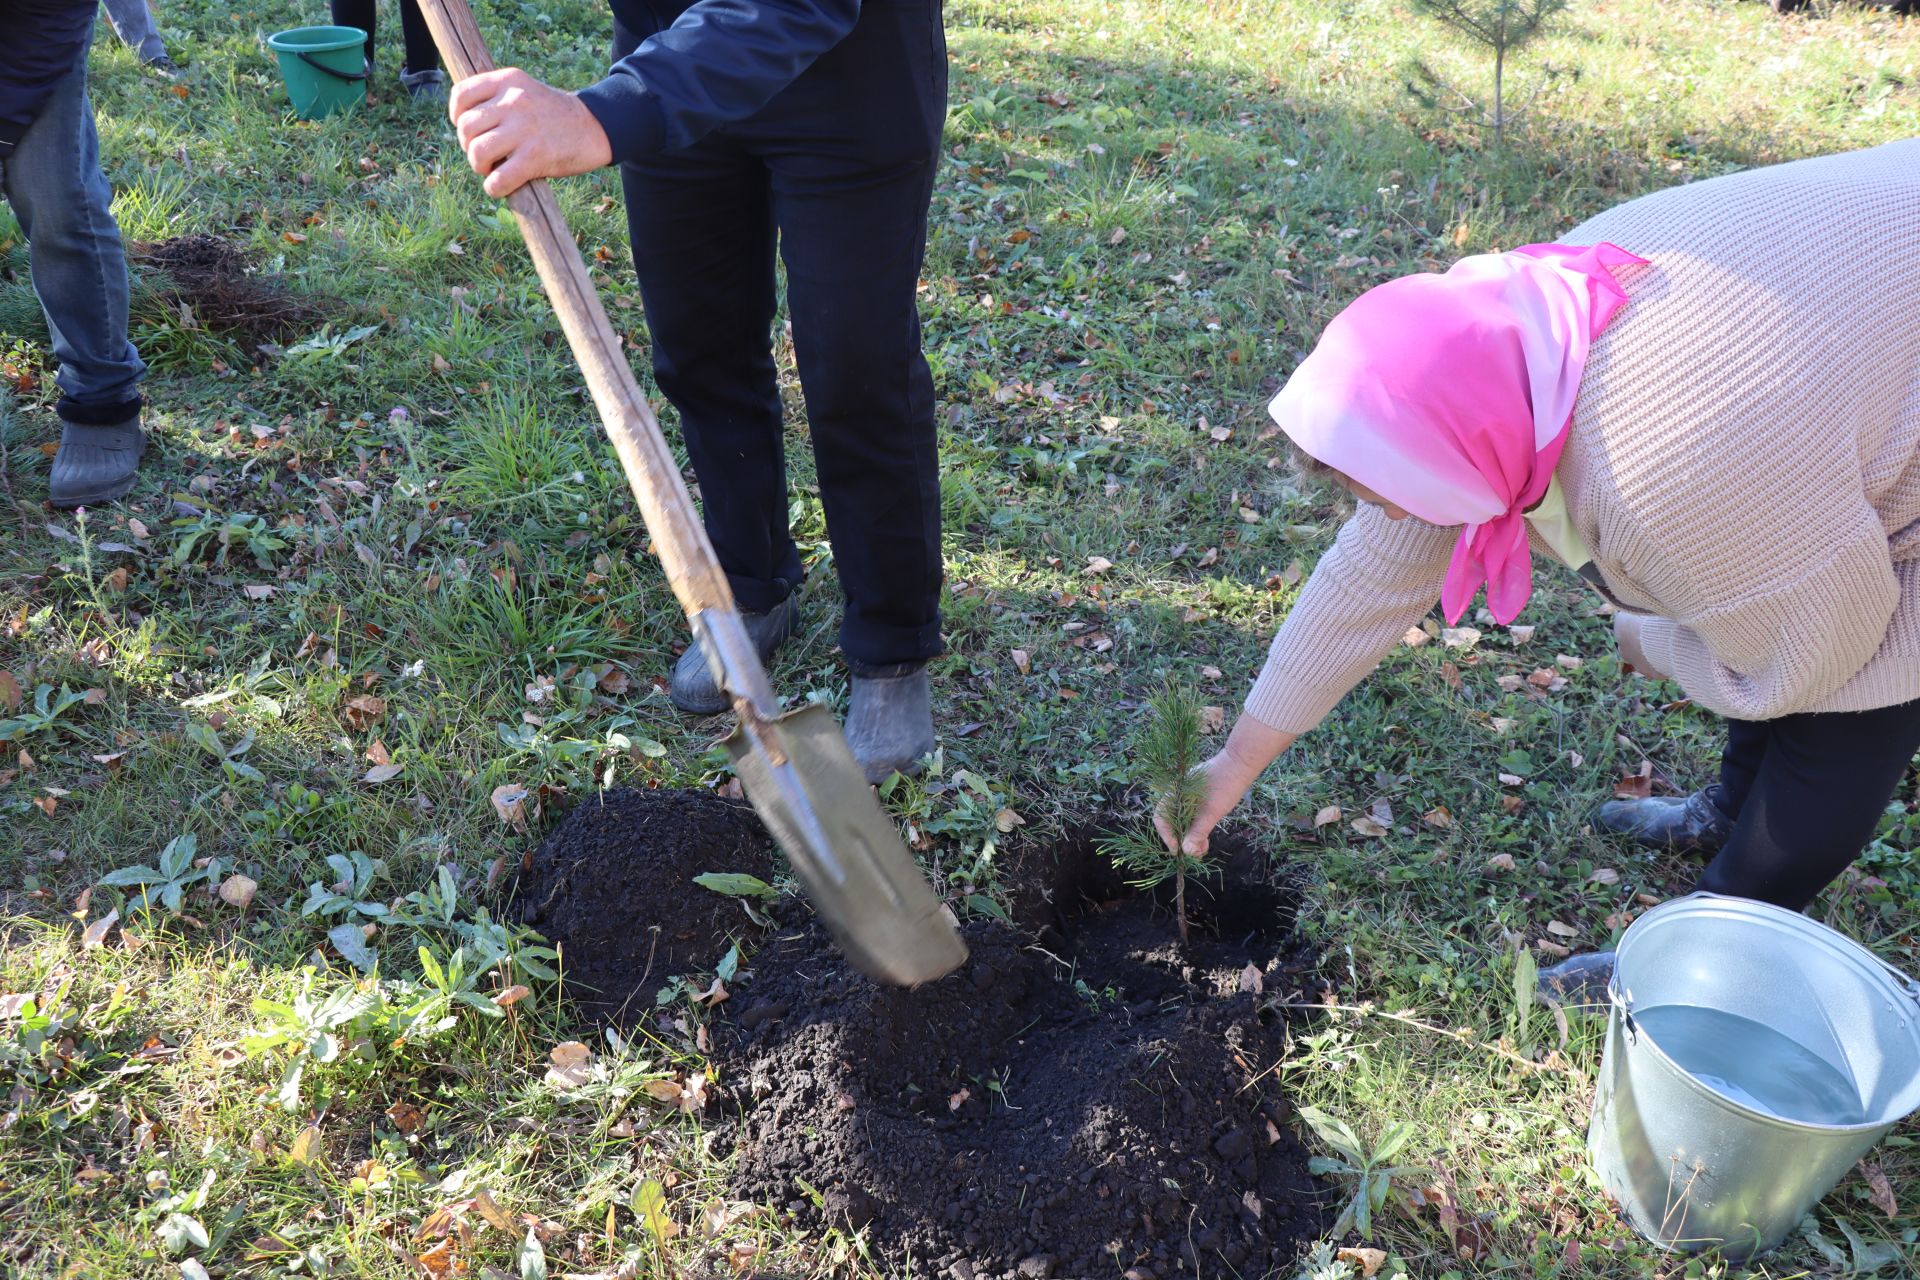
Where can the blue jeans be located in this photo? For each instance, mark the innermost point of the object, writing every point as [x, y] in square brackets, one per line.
[63, 203]
[132, 21]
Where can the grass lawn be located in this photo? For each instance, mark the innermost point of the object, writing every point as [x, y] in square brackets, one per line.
[373, 577]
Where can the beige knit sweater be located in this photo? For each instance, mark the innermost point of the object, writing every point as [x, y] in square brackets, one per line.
[1744, 461]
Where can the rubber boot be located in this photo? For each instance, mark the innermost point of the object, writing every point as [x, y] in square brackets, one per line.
[890, 720]
[95, 464]
[1578, 981]
[1687, 824]
[693, 687]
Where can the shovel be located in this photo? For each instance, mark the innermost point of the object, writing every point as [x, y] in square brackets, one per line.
[796, 767]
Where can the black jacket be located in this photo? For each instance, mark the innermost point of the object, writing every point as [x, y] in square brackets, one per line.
[43, 40]
[707, 63]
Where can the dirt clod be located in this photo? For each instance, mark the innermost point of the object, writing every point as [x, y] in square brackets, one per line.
[613, 885]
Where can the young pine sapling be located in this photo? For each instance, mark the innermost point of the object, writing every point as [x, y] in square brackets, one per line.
[1167, 752]
[1501, 26]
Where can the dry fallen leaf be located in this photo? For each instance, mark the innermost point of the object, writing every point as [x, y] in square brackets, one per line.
[957, 1100]
[1459, 637]
[95, 934]
[1021, 662]
[1511, 779]
[1415, 637]
[1438, 817]
[1561, 929]
[1251, 979]
[406, 1117]
[1212, 719]
[238, 890]
[513, 995]
[377, 754]
[363, 709]
[307, 1146]
[570, 1065]
[382, 773]
[1604, 875]
[1097, 565]
[1637, 785]
[1567, 662]
[1521, 634]
[1553, 949]
[258, 591]
[9, 691]
[1500, 862]
[1366, 826]
[1210, 673]
[510, 802]
[1879, 1189]
[1368, 1260]
[1006, 820]
[1327, 816]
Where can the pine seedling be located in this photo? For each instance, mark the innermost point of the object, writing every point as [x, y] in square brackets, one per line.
[1167, 753]
[1501, 26]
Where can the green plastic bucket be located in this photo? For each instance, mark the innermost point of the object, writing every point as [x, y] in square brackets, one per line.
[325, 68]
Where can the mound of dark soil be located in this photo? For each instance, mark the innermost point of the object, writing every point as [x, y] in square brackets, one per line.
[1082, 1099]
[612, 884]
[225, 293]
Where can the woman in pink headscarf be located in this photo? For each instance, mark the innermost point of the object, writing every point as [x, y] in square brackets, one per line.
[1707, 403]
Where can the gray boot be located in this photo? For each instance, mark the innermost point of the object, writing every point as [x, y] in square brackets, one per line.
[693, 687]
[890, 720]
[1578, 981]
[95, 464]
[1687, 824]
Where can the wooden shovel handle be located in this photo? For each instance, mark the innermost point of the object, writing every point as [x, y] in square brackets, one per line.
[681, 541]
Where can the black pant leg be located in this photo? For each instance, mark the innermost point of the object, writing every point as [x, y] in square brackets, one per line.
[1740, 763]
[356, 13]
[703, 244]
[1818, 795]
[853, 148]
[422, 53]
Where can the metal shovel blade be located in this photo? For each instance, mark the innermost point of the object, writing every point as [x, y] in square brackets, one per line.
[804, 783]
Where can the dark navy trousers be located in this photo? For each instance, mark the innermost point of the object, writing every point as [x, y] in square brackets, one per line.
[837, 173]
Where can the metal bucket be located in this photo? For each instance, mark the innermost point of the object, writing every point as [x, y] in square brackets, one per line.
[1696, 1165]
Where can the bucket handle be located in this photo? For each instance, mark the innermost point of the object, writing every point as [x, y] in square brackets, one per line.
[318, 65]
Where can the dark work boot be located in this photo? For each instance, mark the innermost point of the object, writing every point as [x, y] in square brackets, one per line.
[1578, 981]
[890, 720]
[695, 690]
[95, 464]
[1686, 824]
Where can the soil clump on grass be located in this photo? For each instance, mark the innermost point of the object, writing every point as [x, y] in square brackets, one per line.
[612, 884]
[224, 292]
[1082, 1099]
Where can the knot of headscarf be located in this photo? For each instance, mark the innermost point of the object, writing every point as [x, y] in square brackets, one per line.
[1451, 395]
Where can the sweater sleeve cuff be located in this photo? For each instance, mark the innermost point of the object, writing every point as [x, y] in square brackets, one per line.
[1659, 638]
[630, 115]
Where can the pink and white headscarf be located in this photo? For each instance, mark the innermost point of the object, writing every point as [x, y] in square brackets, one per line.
[1451, 395]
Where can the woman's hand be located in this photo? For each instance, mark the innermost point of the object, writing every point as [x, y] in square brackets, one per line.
[1227, 777]
[515, 129]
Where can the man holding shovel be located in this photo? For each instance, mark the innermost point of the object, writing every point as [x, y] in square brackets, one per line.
[739, 124]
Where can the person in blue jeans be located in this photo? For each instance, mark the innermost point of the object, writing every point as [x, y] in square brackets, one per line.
[50, 173]
[811, 128]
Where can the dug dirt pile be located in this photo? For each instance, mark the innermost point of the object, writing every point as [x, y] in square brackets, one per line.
[1081, 1102]
[1082, 1099]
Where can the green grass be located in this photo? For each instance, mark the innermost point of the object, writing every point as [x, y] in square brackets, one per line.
[1148, 211]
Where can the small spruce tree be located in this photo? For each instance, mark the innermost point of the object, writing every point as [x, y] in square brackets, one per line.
[1500, 25]
[1167, 752]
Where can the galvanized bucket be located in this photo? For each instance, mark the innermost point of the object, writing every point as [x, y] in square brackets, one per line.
[1694, 1159]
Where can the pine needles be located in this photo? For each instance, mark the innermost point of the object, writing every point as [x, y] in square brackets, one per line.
[1167, 752]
